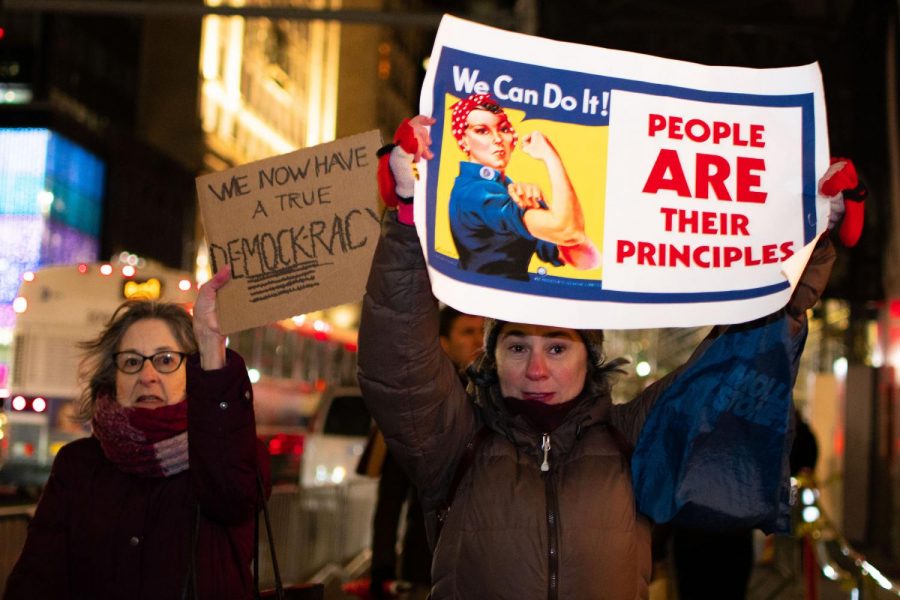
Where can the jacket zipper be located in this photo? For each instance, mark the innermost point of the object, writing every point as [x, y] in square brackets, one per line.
[552, 523]
[545, 446]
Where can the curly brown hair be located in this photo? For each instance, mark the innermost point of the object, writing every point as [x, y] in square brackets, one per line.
[98, 369]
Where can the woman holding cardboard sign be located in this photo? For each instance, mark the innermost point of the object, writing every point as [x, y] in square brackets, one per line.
[160, 501]
[524, 475]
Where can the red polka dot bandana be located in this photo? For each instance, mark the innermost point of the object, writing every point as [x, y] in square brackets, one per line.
[461, 110]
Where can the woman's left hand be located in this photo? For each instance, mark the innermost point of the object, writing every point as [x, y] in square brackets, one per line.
[525, 195]
[847, 196]
[210, 339]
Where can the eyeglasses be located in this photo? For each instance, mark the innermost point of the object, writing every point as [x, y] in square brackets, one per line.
[166, 361]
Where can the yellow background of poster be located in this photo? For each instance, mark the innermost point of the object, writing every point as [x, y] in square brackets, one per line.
[583, 152]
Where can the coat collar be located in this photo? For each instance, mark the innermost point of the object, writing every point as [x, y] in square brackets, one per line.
[589, 412]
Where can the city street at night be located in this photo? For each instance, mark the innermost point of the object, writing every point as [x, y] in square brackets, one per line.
[616, 316]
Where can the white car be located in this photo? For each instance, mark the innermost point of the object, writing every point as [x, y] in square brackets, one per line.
[336, 438]
[325, 452]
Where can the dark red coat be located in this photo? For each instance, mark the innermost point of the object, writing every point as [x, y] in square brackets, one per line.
[100, 533]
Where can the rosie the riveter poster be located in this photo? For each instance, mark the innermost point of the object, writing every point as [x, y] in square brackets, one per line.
[585, 187]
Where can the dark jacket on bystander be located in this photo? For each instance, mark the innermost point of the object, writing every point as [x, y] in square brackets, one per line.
[100, 533]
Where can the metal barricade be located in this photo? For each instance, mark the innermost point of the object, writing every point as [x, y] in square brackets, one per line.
[13, 530]
[829, 557]
[816, 562]
[315, 527]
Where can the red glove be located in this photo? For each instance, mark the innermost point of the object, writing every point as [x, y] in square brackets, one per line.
[848, 199]
[396, 165]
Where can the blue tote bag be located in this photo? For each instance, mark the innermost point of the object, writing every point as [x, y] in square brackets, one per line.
[713, 453]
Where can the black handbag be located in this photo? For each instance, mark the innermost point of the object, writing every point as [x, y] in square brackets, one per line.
[303, 591]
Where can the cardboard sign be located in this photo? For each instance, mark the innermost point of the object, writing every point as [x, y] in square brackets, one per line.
[668, 194]
[298, 230]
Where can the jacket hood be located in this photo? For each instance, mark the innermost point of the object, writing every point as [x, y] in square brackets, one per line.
[594, 403]
[484, 385]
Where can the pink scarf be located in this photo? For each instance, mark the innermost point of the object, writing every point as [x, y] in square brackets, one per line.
[151, 443]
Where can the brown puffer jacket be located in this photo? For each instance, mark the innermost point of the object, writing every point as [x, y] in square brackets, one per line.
[512, 531]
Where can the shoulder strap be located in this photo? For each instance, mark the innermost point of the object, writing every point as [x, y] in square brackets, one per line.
[462, 467]
[261, 498]
[190, 585]
[189, 590]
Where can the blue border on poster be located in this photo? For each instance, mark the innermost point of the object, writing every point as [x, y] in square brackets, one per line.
[529, 76]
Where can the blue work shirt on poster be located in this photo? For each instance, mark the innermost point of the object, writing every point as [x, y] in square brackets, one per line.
[487, 226]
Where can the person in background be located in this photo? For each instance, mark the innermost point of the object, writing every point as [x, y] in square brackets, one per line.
[805, 449]
[723, 561]
[524, 473]
[169, 476]
[460, 336]
[712, 560]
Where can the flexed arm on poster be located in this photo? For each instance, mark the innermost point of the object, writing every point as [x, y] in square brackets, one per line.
[487, 137]
[562, 221]
[492, 206]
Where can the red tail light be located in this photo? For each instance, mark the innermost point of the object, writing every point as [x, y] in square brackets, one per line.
[286, 443]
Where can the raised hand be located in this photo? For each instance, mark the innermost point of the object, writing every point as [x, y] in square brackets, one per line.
[396, 170]
[536, 145]
[210, 339]
[418, 141]
[847, 195]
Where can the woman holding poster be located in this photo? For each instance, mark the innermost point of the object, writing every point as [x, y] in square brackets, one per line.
[497, 224]
[525, 474]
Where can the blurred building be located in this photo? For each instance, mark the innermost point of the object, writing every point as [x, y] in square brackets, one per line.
[269, 87]
[106, 119]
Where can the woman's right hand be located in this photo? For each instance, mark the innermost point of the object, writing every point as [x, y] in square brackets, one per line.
[396, 169]
[210, 339]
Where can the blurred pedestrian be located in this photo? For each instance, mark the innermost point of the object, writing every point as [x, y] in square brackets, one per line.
[805, 449]
[163, 495]
[707, 561]
[524, 474]
[461, 336]
[723, 561]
